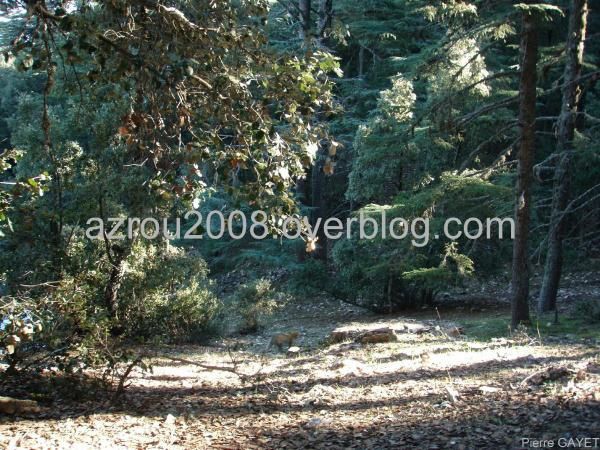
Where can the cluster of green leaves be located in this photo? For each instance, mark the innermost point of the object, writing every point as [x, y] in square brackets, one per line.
[407, 275]
[207, 100]
[14, 188]
[167, 296]
[255, 302]
[146, 108]
[436, 131]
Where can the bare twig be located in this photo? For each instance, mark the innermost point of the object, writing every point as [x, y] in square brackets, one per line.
[123, 378]
[234, 370]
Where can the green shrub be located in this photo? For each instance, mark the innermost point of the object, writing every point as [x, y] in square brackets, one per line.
[589, 310]
[388, 285]
[310, 275]
[255, 302]
[185, 315]
[167, 296]
[386, 274]
[62, 320]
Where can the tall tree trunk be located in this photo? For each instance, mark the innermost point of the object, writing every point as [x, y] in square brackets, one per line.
[571, 94]
[117, 273]
[527, 94]
[325, 19]
[361, 62]
[318, 209]
[304, 7]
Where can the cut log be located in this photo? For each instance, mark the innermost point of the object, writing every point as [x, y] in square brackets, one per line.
[423, 330]
[378, 336]
[455, 331]
[338, 336]
[293, 351]
[12, 406]
[363, 336]
[548, 374]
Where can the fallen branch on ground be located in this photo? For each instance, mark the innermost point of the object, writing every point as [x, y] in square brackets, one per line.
[546, 374]
[242, 376]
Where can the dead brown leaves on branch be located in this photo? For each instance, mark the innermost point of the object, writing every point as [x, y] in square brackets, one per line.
[209, 101]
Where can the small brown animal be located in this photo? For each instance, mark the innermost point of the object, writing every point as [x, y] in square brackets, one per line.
[280, 339]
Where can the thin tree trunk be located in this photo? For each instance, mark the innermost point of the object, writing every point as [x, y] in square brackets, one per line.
[117, 274]
[562, 176]
[527, 98]
[304, 7]
[361, 62]
[303, 198]
[325, 19]
[318, 209]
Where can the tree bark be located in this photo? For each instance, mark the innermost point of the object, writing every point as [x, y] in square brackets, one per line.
[571, 95]
[527, 98]
[304, 7]
[318, 209]
[325, 19]
[117, 273]
[361, 62]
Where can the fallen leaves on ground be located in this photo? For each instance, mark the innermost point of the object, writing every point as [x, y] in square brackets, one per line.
[426, 390]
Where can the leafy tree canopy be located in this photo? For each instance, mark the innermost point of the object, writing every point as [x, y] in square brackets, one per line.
[206, 101]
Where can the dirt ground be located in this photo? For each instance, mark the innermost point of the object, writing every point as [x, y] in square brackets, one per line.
[427, 390]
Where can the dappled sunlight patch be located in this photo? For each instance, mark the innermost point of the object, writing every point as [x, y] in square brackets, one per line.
[426, 385]
[458, 359]
[394, 394]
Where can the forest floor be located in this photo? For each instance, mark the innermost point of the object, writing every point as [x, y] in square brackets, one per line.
[427, 390]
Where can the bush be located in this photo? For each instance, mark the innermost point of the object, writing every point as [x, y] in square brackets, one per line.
[387, 275]
[311, 275]
[58, 326]
[386, 288]
[254, 302]
[589, 310]
[167, 296]
[185, 315]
